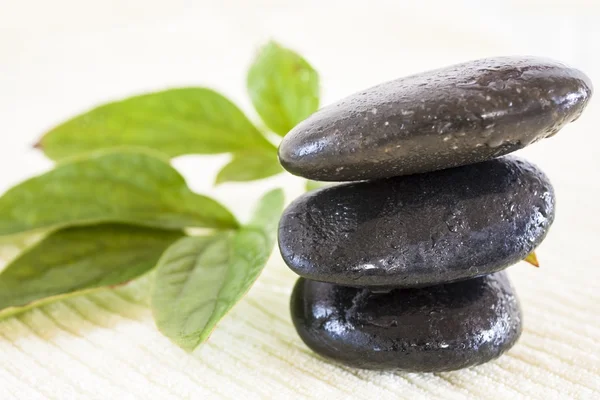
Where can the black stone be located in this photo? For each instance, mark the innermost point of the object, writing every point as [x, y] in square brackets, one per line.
[444, 118]
[438, 328]
[419, 230]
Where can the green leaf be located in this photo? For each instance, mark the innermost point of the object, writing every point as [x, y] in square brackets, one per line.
[12, 246]
[314, 185]
[283, 86]
[249, 166]
[174, 122]
[77, 260]
[134, 187]
[266, 214]
[199, 279]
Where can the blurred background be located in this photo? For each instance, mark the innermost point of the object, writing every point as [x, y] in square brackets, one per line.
[63, 57]
[59, 58]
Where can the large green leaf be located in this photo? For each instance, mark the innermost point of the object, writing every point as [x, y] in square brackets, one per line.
[199, 279]
[77, 260]
[283, 86]
[12, 246]
[135, 187]
[175, 122]
[249, 166]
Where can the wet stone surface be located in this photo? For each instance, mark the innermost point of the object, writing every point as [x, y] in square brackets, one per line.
[439, 328]
[419, 230]
[458, 115]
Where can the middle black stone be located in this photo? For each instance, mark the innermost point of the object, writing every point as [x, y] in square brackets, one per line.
[419, 230]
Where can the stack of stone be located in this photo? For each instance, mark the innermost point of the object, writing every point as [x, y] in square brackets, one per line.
[403, 268]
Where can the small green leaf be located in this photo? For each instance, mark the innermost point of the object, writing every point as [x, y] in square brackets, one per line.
[134, 187]
[314, 185]
[76, 260]
[174, 122]
[249, 166]
[199, 279]
[283, 86]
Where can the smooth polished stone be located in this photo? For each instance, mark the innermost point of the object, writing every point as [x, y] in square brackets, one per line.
[438, 328]
[419, 230]
[458, 115]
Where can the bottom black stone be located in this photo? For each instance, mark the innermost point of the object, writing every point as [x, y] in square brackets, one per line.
[436, 328]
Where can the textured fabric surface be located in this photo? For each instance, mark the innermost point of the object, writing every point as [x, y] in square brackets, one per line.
[62, 57]
[105, 345]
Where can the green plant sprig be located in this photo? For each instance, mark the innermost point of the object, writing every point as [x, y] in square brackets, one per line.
[113, 208]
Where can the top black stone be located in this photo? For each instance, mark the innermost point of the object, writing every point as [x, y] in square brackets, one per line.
[458, 115]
